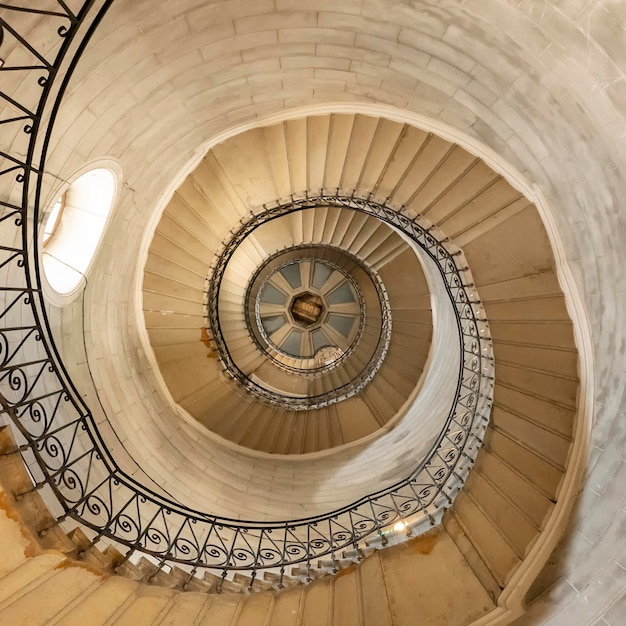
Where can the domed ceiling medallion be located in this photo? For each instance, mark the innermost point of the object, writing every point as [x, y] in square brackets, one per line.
[305, 308]
[307, 305]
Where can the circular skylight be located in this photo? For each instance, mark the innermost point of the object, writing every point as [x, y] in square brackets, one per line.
[306, 305]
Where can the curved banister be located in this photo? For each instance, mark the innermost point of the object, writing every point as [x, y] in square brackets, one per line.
[59, 433]
[212, 313]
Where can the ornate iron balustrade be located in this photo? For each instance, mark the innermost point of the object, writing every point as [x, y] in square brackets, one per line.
[212, 312]
[58, 437]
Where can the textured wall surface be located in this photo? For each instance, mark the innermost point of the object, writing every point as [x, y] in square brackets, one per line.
[540, 83]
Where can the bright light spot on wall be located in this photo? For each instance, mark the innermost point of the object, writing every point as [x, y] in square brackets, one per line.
[399, 526]
[54, 219]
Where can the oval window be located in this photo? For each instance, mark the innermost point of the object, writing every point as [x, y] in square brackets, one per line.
[74, 227]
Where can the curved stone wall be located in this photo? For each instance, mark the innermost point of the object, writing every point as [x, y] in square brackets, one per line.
[541, 84]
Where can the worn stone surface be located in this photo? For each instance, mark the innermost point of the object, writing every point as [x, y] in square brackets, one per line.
[541, 83]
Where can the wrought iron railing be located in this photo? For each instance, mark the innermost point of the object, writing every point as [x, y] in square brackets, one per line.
[58, 437]
[212, 311]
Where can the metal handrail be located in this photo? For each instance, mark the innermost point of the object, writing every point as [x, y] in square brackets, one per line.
[56, 431]
[295, 403]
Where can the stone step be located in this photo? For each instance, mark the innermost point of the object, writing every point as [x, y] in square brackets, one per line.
[495, 551]
[28, 575]
[52, 593]
[257, 583]
[100, 558]
[106, 600]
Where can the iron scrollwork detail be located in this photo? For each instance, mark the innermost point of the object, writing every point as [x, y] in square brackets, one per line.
[57, 433]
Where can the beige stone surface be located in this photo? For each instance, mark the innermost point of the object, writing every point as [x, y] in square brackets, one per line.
[102, 604]
[27, 574]
[376, 610]
[318, 604]
[414, 573]
[288, 606]
[223, 611]
[37, 604]
[255, 610]
[197, 219]
[17, 544]
[540, 83]
[347, 598]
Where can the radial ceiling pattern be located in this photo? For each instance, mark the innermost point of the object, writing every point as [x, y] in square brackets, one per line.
[338, 307]
[402, 55]
[307, 305]
[418, 171]
[303, 315]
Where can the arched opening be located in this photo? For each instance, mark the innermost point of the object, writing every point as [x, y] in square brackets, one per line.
[74, 228]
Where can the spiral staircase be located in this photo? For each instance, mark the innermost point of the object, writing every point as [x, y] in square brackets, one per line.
[329, 311]
[174, 283]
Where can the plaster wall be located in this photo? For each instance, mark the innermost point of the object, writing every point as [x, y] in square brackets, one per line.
[540, 83]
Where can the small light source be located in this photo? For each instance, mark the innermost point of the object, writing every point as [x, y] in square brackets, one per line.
[399, 526]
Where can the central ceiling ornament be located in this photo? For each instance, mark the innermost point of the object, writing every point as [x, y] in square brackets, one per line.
[307, 309]
[317, 319]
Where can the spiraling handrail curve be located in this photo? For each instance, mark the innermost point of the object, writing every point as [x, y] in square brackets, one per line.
[57, 433]
[212, 313]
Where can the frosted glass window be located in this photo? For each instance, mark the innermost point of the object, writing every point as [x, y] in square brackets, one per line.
[291, 274]
[341, 295]
[341, 323]
[292, 343]
[74, 228]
